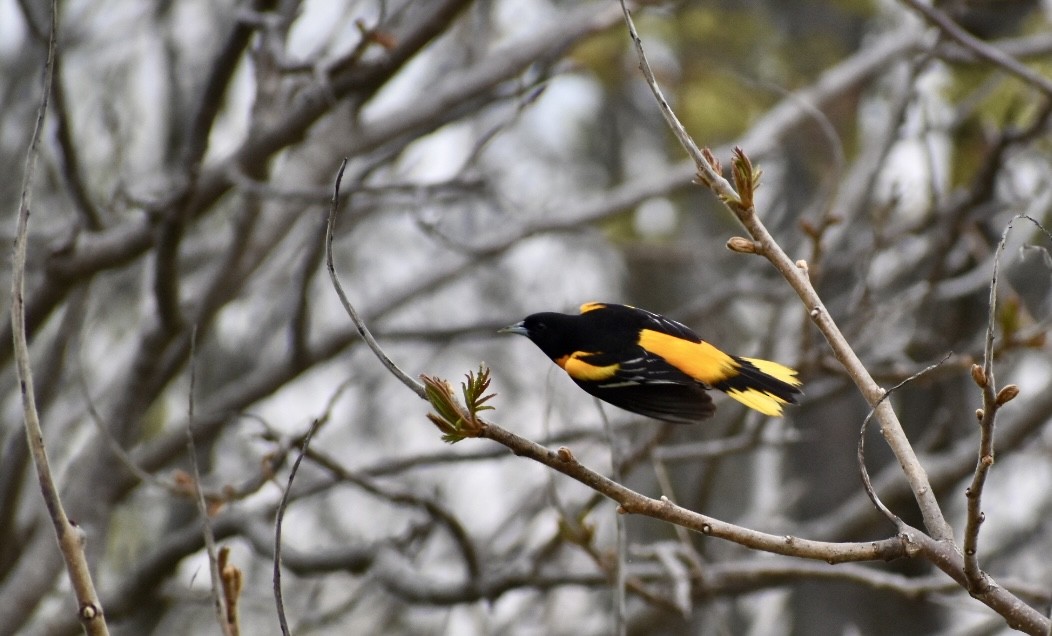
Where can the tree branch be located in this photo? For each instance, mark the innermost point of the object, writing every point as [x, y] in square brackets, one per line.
[740, 203]
[70, 538]
[359, 324]
[279, 516]
[984, 51]
[218, 599]
[993, 400]
[632, 502]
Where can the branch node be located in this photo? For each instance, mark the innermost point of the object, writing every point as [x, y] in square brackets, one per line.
[566, 455]
[979, 414]
[912, 549]
[89, 612]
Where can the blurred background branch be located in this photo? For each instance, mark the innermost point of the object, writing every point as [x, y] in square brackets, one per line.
[506, 157]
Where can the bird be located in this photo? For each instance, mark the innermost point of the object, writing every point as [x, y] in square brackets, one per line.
[651, 365]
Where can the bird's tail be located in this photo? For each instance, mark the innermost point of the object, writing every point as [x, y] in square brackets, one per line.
[762, 385]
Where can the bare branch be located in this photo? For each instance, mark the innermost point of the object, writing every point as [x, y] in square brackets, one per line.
[438, 513]
[947, 557]
[867, 484]
[70, 538]
[991, 54]
[218, 598]
[740, 203]
[708, 173]
[632, 502]
[993, 400]
[278, 518]
[359, 324]
[621, 561]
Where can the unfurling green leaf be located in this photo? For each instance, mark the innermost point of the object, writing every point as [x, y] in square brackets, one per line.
[455, 420]
[746, 177]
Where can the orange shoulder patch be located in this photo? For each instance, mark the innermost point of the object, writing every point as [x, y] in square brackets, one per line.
[587, 307]
[578, 369]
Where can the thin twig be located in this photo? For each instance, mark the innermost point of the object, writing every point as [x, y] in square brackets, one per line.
[441, 516]
[279, 517]
[359, 324]
[115, 447]
[621, 558]
[70, 538]
[218, 599]
[318, 422]
[993, 400]
[706, 172]
[981, 49]
[726, 446]
[866, 483]
[668, 491]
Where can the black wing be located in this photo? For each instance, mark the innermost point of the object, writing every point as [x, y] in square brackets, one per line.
[680, 403]
[644, 383]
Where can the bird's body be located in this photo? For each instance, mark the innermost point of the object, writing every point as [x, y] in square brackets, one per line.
[651, 365]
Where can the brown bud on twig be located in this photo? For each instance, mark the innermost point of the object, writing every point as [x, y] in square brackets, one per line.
[979, 414]
[979, 376]
[1007, 394]
[742, 245]
[713, 161]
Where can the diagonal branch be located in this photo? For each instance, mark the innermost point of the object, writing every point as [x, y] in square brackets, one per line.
[739, 201]
[991, 54]
[866, 482]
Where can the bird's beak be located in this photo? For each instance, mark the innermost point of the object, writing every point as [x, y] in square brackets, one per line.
[518, 328]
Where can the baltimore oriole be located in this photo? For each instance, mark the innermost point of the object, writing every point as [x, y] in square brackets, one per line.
[651, 365]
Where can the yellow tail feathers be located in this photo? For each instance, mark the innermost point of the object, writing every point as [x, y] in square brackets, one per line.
[776, 371]
[758, 400]
[763, 385]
